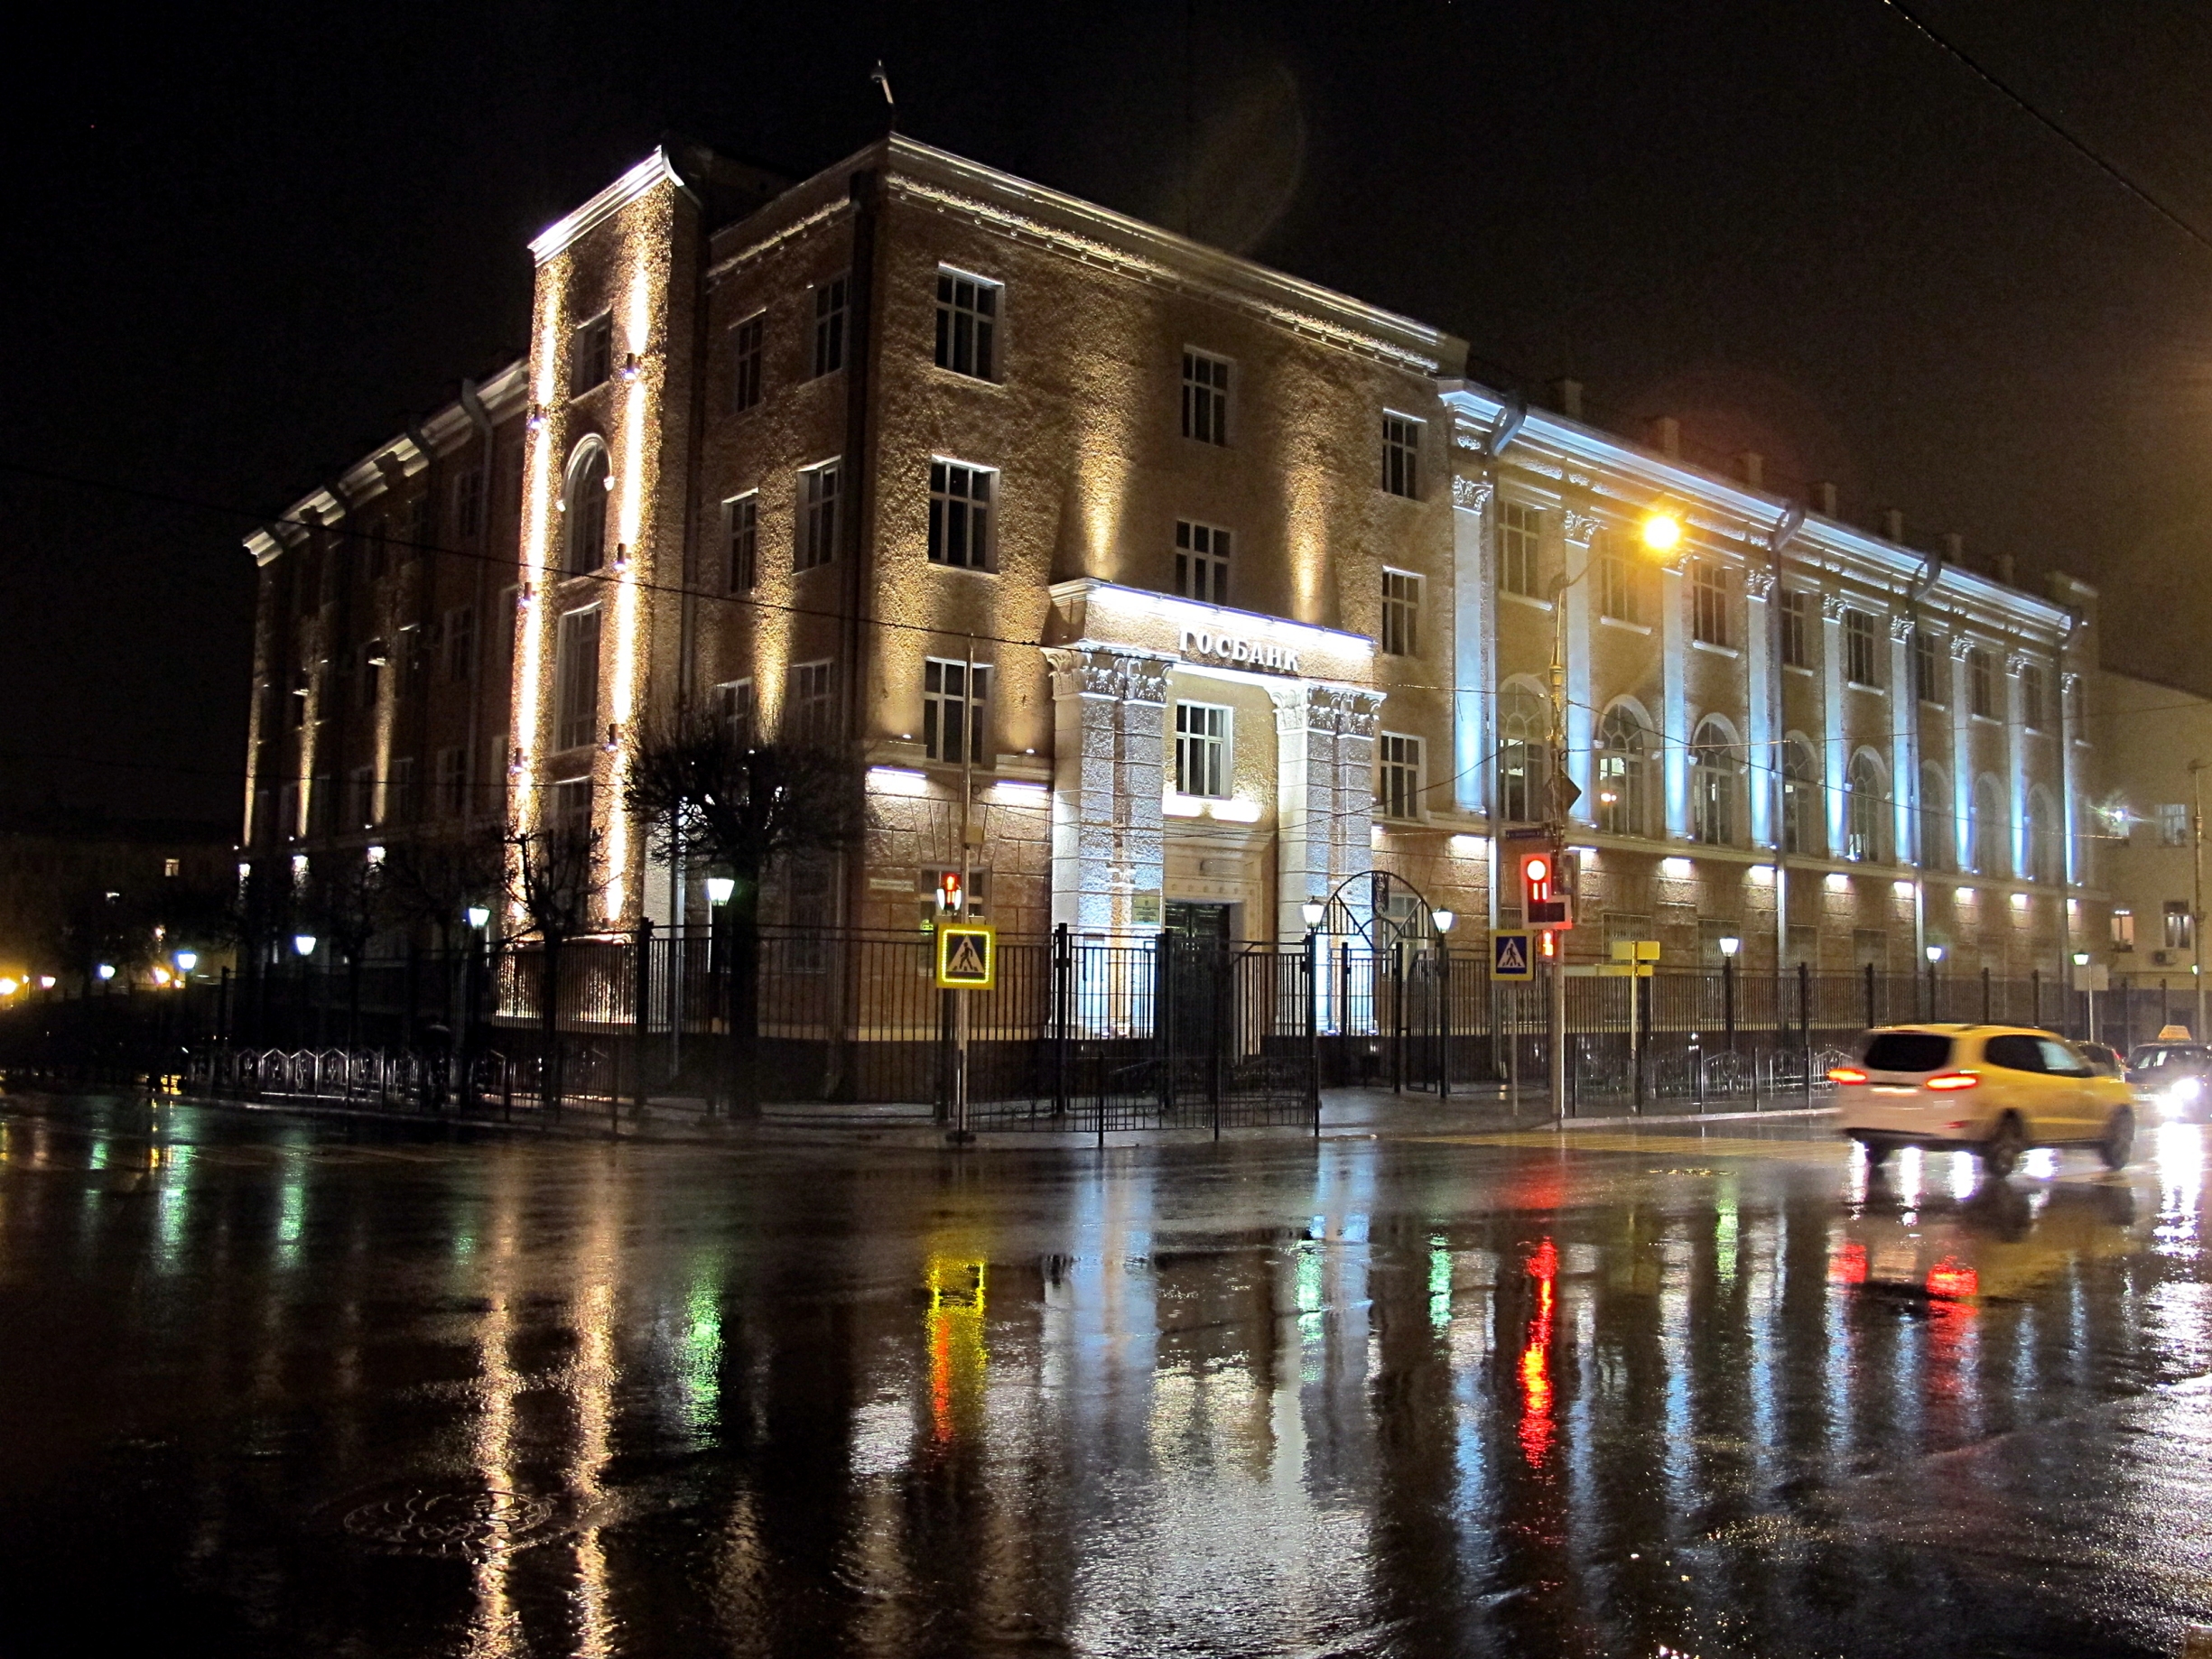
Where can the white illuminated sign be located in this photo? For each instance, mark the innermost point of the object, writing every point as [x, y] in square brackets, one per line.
[1235, 648]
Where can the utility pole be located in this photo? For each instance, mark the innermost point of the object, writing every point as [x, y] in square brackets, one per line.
[968, 734]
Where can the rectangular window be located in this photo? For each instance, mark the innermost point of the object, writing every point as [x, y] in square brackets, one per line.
[468, 502]
[288, 810]
[953, 703]
[1202, 765]
[419, 533]
[960, 498]
[817, 537]
[460, 644]
[1205, 397]
[744, 541]
[810, 708]
[2173, 824]
[2122, 928]
[736, 703]
[361, 798]
[2180, 934]
[1401, 614]
[748, 343]
[1982, 683]
[454, 783]
[1201, 563]
[1397, 776]
[399, 792]
[1619, 596]
[2033, 706]
[1709, 602]
[568, 806]
[592, 354]
[967, 323]
[576, 704]
[830, 325]
[1927, 666]
[1401, 456]
[1798, 607]
[1861, 649]
[1521, 539]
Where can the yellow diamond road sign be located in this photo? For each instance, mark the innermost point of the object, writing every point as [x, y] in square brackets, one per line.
[967, 956]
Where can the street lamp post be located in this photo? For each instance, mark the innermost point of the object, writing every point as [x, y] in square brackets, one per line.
[1443, 920]
[1729, 945]
[721, 889]
[2081, 963]
[1935, 955]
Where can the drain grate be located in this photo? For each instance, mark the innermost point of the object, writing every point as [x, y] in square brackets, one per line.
[471, 1524]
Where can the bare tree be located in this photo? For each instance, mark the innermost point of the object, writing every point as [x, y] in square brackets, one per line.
[715, 800]
[346, 900]
[554, 877]
[434, 881]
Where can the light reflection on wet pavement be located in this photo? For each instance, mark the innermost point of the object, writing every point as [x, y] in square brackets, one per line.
[279, 1387]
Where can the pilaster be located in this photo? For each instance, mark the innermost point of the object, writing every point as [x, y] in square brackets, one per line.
[1834, 735]
[1474, 644]
[1110, 721]
[1578, 529]
[1759, 670]
[1904, 724]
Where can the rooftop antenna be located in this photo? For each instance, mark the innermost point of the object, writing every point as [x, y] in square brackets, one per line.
[881, 78]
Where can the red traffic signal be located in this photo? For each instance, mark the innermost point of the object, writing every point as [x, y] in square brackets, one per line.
[1543, 902]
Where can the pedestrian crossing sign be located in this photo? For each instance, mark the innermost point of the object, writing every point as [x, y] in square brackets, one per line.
[967, 956]
[1512, 955]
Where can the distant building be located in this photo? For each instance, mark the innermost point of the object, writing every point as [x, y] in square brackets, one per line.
[54, 864]
[2145, 821]
[1227, 588]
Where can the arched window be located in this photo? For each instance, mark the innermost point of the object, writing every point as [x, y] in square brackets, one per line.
[584, 502]
[1524, 754]
[1624, 771]
[1937, 824]
[1867, 837]
[1991, 857]
[1716, 780]
[2046, 838]
[1801, 824]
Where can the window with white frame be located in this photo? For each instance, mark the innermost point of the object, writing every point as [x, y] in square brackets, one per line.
[1524, 755]
[1201, 563]
[829, 326]
[748, 362]
[742, 541]
[591, 353]
[733, 706]
[1201, 749]
[2173, 824]
[1799, 605]
[2122, 928]
[1401, 614]
[1926, 665]
[810, 706]
[1205, 397]
[1716, 780]
[2034, 710]
[1401, 456]
[459, 643]
[453, 782]
[576, 676]
[1521, 539]
[1397, 776]
[1624, 745]
[1982, 683]
[967, 323]
[1801, 827]
[816, 542]
[468, 502]
[1868, 812]
[568, 812]
[954, 698]
[2180, 934]
[584, 501]
[1709, 602]
[1620, 595]
[1862, 648]
[959, 515]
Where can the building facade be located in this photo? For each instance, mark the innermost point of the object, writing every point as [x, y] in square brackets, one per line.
[1212, 591]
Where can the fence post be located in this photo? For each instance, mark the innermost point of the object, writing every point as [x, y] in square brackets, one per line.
[1312, 1029]
[641, 1021]
[1164, 1013]
[1639, 1030]
[1444, 1021]
[1804, 1024]
[1063, 974]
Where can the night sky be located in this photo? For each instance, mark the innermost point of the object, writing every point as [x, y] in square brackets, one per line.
[242, 251]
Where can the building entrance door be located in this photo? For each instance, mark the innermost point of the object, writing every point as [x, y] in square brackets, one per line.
[1209, 923]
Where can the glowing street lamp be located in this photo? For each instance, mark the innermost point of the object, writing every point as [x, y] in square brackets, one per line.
[1662, 533]
[186, 960]
[1731, 944]
[1313, 910]
[1443, 918]
[719, 888]
[107, 970]
[1935, 954]
[304, 944]
[478, 917]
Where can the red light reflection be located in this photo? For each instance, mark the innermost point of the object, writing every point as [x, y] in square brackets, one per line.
[1949, 1282]
[1536, 1422]
[1851, 1265]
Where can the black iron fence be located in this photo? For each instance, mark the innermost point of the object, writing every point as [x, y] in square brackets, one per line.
[1078, 1032]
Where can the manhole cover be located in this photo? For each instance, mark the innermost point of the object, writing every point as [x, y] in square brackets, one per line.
[473, 1524]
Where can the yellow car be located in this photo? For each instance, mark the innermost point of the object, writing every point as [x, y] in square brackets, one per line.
[1994, 1089]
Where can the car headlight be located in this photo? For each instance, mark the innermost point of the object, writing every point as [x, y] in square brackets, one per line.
[2182, 1093]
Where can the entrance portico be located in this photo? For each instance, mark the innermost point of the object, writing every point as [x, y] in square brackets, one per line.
[1278, 826]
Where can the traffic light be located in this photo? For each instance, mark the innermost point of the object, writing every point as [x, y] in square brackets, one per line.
[1547, 890]
[948, 896]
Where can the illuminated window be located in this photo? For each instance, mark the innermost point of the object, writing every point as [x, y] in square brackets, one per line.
[591, 352]
[2122, 928]
[1801, 827]
[744, 541]
[830, 325]
[967, 323]
[952, 702]
[1926, 665]
[1401, 456]
[468, 502]
[576, 673]
[567, 809]
[1624, 773]
[810, 707]
[1868, 814]
[1799, 605]
[1716, 779]
[959, 515]
[172, 868]
[459, 643]
[1397, 776]
[453, 782]
[1709, 602]
[2180, 934]
[1401, 614]
[748, 355]
[1618, 593]
[1524, 754]
[817, 538]
[733, 705]
[2034, 708]
[1205, 397]
[1201, 563]
[584, 502]
[1201, 749]
[2173, 824]
[1861, 649]
[1520, 538]
[1982, 683]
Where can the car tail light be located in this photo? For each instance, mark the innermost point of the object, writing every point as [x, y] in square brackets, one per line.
[1953, 1079]
[1845, 1074]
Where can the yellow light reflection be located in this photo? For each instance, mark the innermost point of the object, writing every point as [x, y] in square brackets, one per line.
[956, 1351]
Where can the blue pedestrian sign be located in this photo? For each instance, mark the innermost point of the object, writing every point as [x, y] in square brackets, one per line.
[1512, 955]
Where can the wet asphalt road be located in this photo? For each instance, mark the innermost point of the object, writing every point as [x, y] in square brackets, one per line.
[272, 1386]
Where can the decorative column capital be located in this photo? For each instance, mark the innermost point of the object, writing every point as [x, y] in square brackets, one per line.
[1758, 583]
[1832, 608]
[1473, 494]
[1901, 629]
[1960, 647]
[1099, 671]
[2014, 661]
[1578, 525]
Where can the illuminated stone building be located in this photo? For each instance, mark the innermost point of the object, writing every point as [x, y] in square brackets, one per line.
[1218, 588]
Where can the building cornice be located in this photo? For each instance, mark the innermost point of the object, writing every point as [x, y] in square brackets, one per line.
[557, 237]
